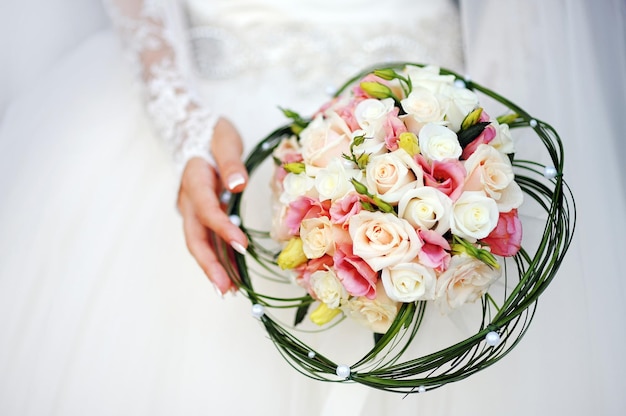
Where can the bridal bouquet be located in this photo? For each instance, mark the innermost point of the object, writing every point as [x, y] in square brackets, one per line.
[397, 191]
[402, 193]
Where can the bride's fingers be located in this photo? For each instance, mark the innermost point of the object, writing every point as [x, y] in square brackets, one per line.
[227, 148]
[200, 189]
[196, 237]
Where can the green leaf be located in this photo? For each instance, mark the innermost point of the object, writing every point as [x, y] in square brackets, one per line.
[377, 337]
[301, 312]
[468, 135]
[298, 124]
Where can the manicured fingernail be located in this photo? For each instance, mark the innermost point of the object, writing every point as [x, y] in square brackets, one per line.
[235, 180]
[238, 247]
[217, 290]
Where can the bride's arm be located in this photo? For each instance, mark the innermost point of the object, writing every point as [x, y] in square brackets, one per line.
[154, 36]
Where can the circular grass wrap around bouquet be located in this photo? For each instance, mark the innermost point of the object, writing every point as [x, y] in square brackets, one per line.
[398, 206]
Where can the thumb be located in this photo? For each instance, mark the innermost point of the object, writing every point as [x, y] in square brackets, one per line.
[227, 148]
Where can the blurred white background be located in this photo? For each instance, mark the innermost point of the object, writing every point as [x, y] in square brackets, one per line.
[35, 34]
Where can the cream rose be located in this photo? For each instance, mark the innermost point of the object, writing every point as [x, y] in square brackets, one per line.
[317, 237]
[377, 314]
[333, 181]
[474, 216]
[427, 208]
[279, 230]
[392, 174]
[324, 139]
[409, 282]
[327, 288]
[465, 280]
[383, 240]
[503, 140]
[439, 143]
[490, 171]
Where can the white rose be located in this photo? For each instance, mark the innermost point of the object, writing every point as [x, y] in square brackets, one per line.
[490, 171]
[377, 314]
[324, 139]
[317, 237]
[439, 143]
[328, 288]
[462, 102]
[333, 181]
[383, 240]
[421, 107]
[474, 216]
[427, 208]
[295, 186]
[409, 282]
[390, 175]
[465, 280]
[428, 77]
[371, 115]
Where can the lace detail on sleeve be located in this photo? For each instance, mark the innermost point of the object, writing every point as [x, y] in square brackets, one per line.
[154, 38]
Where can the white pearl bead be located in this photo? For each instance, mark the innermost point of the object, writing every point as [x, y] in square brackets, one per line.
[311, 354]
[492, 338]
[421, 389]
[235, 219]
[343, 371]
[550, 172]
[459, 83]
[225, 197]
[533, 123]
[258, 311]
[331, 90]
[266, 146]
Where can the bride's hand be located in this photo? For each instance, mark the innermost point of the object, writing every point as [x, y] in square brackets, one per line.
[198, 202]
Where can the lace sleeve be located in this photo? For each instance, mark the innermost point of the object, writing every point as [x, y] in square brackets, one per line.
[153, 33]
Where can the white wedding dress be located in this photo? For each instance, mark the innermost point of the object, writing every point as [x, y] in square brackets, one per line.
[104, 312]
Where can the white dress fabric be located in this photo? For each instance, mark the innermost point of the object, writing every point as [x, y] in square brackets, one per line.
[102, 309]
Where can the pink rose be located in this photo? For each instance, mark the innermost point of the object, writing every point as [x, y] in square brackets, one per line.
[344, 208]
[303, 208]
[485, 137]
[448, 176]
[506, 239]
[346, 112]
[393, 128]
[435, 252]
[354, 273]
